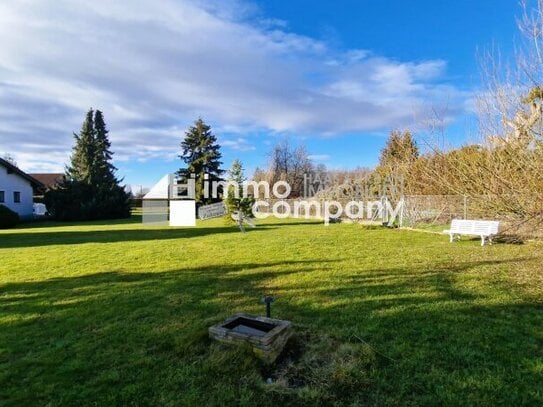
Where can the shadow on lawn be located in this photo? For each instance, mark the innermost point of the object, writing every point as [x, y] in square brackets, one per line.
[120, 337]
[24, 239]
[436, 339]
[19, 238]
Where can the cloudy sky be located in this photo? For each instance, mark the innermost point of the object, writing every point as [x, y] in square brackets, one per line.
[334, 75]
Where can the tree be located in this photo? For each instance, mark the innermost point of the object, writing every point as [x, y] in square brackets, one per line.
[201, 153]
[400, 150]
[235, 201]
[90, 189]
[289, 164]
[396, 161]
[500, 176]
[81, 163]
[104, 170]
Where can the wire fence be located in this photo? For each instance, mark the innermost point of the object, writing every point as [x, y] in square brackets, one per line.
[417, 211]
[423, 209]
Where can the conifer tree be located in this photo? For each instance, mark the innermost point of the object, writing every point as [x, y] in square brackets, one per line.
[91, 190]
[202, 155]
[236, 202]
[104, 170]
[81, 166]
[396, 162]
[400, 149]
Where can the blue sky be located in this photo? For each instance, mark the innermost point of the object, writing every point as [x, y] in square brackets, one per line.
[337, 76]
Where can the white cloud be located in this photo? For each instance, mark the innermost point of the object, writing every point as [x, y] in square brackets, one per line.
[239, 144]
[319, 157]
[155, 66]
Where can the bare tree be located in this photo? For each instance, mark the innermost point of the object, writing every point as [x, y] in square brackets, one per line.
[501, 172]
[287, 163]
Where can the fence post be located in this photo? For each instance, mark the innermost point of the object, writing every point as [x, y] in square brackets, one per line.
[402, 203]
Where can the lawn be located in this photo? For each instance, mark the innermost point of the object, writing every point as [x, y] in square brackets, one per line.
[117, 314]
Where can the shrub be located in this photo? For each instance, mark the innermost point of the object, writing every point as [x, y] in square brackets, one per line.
[74, 200]
[8, 218]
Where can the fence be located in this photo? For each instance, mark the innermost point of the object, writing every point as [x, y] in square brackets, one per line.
[419, 211]
[435, 209]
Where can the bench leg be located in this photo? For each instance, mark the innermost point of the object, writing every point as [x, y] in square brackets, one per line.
[482, 240]
[451, 237]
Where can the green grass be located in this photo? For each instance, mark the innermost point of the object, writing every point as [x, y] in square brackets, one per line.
[118, 314]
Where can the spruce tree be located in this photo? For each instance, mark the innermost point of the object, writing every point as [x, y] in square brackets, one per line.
[104, 170]
[399, 149]
[81, 166]
[202, 155]
[233, 202]
[396, 162]
[91, 190]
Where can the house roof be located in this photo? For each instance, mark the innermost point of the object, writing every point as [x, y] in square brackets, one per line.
[33, 181]
[49, 180]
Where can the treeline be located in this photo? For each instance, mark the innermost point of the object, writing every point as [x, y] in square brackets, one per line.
[501, 176]
[501, 173]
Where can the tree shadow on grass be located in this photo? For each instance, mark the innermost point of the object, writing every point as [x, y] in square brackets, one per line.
[436, 340]
[19, 239]
[127, 338]
[141, 338]
[47, 223]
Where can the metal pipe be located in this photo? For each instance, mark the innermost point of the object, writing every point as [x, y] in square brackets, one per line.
[268, 301]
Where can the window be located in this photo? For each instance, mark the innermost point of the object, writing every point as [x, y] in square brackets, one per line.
[16, 197]
[2, 196]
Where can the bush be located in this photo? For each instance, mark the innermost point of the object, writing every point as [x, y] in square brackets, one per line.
[74, 200]
[8, 218]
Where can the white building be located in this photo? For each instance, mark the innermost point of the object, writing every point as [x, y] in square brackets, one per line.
[16, 189]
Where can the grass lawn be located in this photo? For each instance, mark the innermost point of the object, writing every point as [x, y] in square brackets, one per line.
[106, 314]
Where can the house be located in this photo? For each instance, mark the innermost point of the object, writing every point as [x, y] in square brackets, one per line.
[17, 189]
[49, 180]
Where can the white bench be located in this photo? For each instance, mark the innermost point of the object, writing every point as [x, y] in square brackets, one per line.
[483, 228]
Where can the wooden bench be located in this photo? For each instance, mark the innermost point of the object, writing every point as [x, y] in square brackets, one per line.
[483, 228]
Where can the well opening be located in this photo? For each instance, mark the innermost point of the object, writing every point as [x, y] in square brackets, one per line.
[249, 326]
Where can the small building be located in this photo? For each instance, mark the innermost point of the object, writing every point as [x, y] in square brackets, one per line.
[17, 189]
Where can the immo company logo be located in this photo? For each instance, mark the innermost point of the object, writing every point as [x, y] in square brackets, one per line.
[171, 196]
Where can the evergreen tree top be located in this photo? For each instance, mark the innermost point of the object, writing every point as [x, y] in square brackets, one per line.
[236, 172]
[201, 154]
[83, 151]
[91, 157]
[400, 147]
[200, 150]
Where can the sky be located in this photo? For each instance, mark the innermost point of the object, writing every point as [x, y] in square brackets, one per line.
[337, 76]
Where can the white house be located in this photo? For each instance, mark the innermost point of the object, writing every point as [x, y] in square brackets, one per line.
[16, 189]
